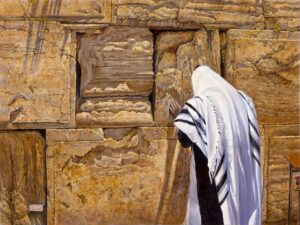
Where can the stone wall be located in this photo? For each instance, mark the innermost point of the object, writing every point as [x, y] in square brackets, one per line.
[84, 93]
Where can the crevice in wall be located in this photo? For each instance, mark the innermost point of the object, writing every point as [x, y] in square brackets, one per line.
[78, 73]
[78, 67]
[152, 95]
[43, 133]
[223, 45]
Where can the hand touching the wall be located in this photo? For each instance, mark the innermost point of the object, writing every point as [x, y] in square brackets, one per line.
[174, 108]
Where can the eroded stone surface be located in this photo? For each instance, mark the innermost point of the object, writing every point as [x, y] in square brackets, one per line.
[129, 176]
[150, 13]
[22, 176]
[222, 14]
[177, 55]
[117, 77]
[284, 15]
[265, 64]
[36, 75]
[189, 14]
[279, 141]
[278, 178]
[63, 10]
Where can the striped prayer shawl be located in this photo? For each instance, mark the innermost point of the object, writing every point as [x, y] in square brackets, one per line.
[204, 124]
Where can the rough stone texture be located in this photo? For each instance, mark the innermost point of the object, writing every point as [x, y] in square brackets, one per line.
[189, 14]
[265, 64]
[22, 177]
[145, 12]
[37, 75]
[279, 141]
[284, 15]
[222, 14]
[127, 176]
[117, 78]
[63, 10]
[177, 55]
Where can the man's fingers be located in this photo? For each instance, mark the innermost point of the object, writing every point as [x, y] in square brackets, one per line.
[172, 108]
[177, 106]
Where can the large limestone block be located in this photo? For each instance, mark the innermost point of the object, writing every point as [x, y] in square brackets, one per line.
[222, 14]
[282, 14]
[22, 177]
[37, 75]
[177, 55]
[88, 11]
[116, 176]
[279, 141]
[265, 64]
[145, 12]
[117, 77]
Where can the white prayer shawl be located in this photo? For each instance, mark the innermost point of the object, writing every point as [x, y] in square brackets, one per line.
[222, 122]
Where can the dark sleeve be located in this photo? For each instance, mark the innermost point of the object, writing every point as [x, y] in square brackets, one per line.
[183, 139]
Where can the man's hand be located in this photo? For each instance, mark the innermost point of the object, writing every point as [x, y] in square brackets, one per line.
[174, 108]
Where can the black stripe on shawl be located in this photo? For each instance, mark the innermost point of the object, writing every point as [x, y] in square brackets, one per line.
[220, 164]
[246, 101]
[255, 144]
[256, 159]
[254, 128]
[199, 98]
[242, 96]
[184, 121]
[222, 201]
[185, 111]
[192, 124]
[222, 182]
[193, 108]
[197, 122]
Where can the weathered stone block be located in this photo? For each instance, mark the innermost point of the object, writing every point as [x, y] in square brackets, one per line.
[87, 11]
[222, 14]
[278, 178]
[37, 75]
[284, 15]
[147, 13]
[22, 176]
[279, 141]
[117, 78]
[189, 14]
[177, 55]
[126, 176]
[265, 65]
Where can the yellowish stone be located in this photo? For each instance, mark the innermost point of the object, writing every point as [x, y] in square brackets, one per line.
[37, 75]
[265, 65]
[137, 178]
